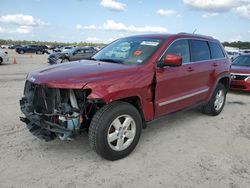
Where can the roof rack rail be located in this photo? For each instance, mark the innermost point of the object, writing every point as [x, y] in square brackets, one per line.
[198, 35]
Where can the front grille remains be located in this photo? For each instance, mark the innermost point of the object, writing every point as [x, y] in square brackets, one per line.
[52, 112]
[42, 98]
[239, 77]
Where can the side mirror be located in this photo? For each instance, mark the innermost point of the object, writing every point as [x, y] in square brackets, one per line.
[172, 60]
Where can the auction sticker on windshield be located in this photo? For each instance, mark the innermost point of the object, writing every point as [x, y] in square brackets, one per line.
[137, 53]
[149, 43]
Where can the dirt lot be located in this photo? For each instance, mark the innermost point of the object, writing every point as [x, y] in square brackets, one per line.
[188, 149]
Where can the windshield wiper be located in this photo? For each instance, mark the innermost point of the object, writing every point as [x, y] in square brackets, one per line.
[110, 60]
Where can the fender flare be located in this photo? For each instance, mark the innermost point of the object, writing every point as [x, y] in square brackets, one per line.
[224, 75]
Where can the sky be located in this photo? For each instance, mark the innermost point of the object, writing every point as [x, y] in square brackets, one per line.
[106, 20]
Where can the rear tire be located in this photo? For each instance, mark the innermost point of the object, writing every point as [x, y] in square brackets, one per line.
[1, 60]
[217, 101]
[21, 52]
[115, 130]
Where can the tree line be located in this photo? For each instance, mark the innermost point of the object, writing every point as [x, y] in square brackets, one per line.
[239, 44]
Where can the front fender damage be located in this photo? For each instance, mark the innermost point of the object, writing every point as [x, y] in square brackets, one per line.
[51, 112]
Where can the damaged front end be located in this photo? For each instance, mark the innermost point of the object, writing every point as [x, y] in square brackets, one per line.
[52, 112]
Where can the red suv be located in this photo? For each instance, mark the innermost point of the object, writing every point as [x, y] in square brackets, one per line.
[130, 82]
[240, 73]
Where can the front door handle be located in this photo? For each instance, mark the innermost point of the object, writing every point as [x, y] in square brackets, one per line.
[215, 64]
[190, 69]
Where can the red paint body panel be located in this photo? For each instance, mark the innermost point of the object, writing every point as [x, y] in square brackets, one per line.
[241, 85]
[137, 83]
[173, 60]
[175, 82]
[244, 84]
[78, 74]
[111, 81]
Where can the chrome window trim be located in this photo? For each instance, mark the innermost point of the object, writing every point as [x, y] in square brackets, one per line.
[183, 97]
[192, 62]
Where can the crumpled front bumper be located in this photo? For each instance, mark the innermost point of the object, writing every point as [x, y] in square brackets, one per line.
[53, 60]
[38, 126]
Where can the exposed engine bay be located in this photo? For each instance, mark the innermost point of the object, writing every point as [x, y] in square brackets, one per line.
[52, 112]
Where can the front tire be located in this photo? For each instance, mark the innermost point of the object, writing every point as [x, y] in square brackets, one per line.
[64, 60]
[115, 130]
[217, 101]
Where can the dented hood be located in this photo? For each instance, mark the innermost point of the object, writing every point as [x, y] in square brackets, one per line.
[77, 74]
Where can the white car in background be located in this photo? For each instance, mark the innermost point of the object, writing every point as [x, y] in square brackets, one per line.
[232, 55]
[3, 56]
[4, 46]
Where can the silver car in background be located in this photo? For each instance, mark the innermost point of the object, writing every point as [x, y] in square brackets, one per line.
[74, 54]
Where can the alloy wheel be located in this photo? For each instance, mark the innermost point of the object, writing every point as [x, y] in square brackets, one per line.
[121, 133]
[219, 100]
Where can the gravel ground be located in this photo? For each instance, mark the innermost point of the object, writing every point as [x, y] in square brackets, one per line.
[187, 149]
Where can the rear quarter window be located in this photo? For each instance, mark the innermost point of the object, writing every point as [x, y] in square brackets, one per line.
[216, 51]
[199, 50]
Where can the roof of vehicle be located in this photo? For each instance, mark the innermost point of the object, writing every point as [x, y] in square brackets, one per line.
[246, 54]
[85, 47]
[165, 36]
[67, 47]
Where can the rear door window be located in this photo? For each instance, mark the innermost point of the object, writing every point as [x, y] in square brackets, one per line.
[199, 50]
[216, 51]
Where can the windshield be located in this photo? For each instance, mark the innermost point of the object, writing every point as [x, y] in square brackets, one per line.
[242, 61]
[128, 51]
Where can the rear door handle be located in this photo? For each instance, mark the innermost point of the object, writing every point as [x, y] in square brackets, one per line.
[190, 69]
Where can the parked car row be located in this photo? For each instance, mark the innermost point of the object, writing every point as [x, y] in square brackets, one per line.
[38, 49]
[233, 54]
[71, 54]
[20, 46]
[66, 54]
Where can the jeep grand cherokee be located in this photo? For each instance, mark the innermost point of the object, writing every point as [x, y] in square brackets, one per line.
[130, 82]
